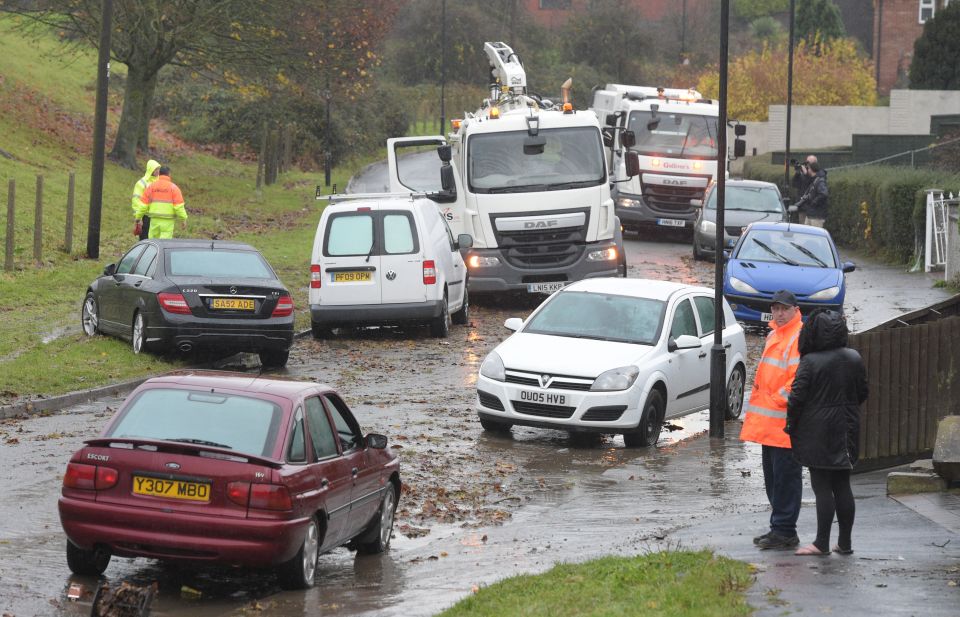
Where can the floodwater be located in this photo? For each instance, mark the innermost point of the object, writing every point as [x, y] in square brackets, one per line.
[476, 507]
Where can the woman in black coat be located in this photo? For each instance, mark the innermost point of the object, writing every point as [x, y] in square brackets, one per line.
[823, 421]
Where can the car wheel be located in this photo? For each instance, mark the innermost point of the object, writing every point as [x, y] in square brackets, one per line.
[377, 538]
[735, 392]
[697, 253]
[90, 315]
[299, 572]
[622, 266]
[495, 426]
[138, 338]
[462, 317]
[320, 331]
[440, 325]
[274, 359]
[651, 422]
[87, 562]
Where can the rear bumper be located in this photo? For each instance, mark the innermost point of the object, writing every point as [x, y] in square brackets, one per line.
[273, 334]
[506, 277]
[180, 536]
[374, 314]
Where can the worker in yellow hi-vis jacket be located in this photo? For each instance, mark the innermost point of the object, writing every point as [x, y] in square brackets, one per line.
[162, 201]
[142, 229]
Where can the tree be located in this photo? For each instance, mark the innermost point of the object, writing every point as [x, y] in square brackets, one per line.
[837, 75]
[750, 10]
[934, 65]
[819, 19]
[608, 38]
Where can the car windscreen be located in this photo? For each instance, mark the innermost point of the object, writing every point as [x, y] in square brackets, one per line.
[217, 263]
[789, 247]
[599, 316]
[674, 135]
[754, 199]
[241, 423]
[506, 162]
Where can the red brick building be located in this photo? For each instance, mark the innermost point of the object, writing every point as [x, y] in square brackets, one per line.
[896, 25]
[554, 13]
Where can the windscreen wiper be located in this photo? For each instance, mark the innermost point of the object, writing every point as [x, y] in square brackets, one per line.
[785, 260]
[372, 244]
[572, 185]
[517, 188]
[809, 254]
[201, 442]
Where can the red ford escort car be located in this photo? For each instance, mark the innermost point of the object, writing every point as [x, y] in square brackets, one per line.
[229, 468]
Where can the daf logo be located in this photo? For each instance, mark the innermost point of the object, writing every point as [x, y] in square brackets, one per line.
[233, 290]
[172, 465]
[545, 381]
[540, 224]
[674, 182]
[391, 275]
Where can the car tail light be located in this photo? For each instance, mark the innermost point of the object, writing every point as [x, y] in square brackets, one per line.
[314, 276]
[270, 497]
[174, 303]
[239, 493]
[284, 307]
[90, 477]
[429, 272]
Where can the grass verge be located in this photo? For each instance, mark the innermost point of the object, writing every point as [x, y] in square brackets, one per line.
[669, 583]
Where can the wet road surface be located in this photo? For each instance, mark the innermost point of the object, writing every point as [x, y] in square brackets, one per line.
[476, 507]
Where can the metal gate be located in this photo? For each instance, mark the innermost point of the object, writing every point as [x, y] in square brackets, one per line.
[937, 221]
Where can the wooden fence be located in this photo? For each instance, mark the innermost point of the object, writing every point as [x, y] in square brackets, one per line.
[913, 369]
[38, 224]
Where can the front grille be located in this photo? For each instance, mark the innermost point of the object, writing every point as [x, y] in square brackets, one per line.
[604, 414]
[671, 199]
[539, 248]
[559, 382]
[542, 410]
[490, 401]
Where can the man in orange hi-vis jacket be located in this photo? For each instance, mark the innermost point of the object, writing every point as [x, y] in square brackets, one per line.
[767, 417]
[162, 201]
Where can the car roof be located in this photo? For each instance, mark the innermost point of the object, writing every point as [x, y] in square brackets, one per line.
[640, 288]
[246, 382]
[393, 202]
[177, 243]
[760, 184]
[782, 226]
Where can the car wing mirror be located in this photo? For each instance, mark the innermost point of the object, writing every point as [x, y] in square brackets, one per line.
[792, 209]
[513, 324]
[849, 266]
[110, 270]
[464, 241]
[376, 440]
[726, 256]
[684, 341]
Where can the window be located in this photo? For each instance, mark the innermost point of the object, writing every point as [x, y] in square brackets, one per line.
[126, 264]
[928, 9]
[324, 443]
[683, 321]
[297, 452]
[217, 263]
[707, 316]
[398, 234]
[347, 428]
[145, 265]
[349, 234]
[605, 317]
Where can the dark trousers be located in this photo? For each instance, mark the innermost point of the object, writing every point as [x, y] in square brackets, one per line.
[145, 230]
[783, 479]
[834, 496]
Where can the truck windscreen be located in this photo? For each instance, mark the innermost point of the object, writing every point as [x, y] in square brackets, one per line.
[570, 158]
[674, 135]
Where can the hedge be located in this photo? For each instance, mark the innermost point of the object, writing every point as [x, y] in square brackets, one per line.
[879, 208]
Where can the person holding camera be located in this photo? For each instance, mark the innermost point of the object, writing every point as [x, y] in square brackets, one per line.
[814, 202]
[801, 181]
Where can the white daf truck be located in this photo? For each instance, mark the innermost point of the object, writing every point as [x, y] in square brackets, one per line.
[527, 179]
[675, 134]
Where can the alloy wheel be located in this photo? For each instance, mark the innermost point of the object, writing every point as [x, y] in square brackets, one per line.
[386, 517]
[138, 333]
[89, 317]
[735, 394]
[311, 545]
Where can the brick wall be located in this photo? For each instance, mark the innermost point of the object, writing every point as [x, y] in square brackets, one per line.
[896, 27]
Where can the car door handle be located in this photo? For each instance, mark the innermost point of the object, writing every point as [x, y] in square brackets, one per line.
[728, 345]
[138, 283]
[703, 354]
[324, 483]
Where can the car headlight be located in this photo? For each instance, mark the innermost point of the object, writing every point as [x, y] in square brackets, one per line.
[826, 294]
[480, 261]
[741, 286]
[492, 367]
[608, 254]
[708, 227]
[626, 202]
[615, 379]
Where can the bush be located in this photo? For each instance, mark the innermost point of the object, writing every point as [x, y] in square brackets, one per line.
[879, 208]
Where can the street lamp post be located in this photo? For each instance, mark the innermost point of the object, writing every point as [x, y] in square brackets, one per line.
[99, 132]
[328, 96]
[718, 354]
[786, 153]
[443, 65]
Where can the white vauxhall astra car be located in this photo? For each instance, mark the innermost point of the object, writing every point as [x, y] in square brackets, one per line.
[611, 355]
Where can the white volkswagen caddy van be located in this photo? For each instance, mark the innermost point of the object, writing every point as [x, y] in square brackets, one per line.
[387, 261]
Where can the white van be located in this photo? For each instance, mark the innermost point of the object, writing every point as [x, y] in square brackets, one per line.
[386, 262]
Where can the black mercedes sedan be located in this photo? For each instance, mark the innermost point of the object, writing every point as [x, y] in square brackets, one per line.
[193, 294]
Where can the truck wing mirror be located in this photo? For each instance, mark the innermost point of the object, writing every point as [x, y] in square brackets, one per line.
[739, 148]
[628, 139]
[632, 162]
[611, 119]
[446, 178]
[740, 130]
[607, 134]
[445, 153]
[534, 145]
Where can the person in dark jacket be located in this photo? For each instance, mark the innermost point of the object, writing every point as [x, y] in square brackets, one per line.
[801, 179]
[815, 201]
[823, 421]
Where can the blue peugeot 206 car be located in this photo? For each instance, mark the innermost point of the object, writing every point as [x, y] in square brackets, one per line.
[774, 256]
